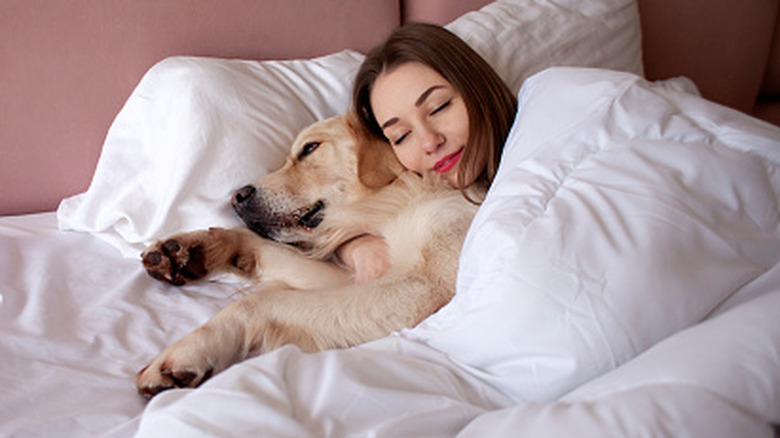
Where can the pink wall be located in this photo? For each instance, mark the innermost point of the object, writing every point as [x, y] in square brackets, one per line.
[438, 11]
[723, 45]
[67, 66]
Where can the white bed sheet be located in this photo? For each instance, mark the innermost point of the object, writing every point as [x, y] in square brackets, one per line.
[76, 322]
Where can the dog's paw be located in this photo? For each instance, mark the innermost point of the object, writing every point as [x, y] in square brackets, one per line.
[176, 260]
[174, 369]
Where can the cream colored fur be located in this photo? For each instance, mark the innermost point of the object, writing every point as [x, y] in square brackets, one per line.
[300, 295]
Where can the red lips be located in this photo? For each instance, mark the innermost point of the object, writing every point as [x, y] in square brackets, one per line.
[447, 163]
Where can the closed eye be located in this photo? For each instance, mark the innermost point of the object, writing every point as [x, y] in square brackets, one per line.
[308, 148]
[398, 140]
[441, 107]
[435, 111]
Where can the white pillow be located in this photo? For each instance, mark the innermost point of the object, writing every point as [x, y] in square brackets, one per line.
[193, 131]
[522, 37]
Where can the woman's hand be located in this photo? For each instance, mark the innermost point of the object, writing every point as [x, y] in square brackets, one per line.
[366, 256]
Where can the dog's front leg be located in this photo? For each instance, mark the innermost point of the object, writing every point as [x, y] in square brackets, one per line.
[313, 320]
[343, 316]
[184, 257]
[221, 342]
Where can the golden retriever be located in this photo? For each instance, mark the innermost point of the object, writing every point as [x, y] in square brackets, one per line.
[337, 184]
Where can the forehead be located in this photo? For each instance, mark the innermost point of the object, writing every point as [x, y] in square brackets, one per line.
[402, 87]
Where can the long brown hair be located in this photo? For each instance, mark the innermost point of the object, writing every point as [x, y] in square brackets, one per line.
[490, 104]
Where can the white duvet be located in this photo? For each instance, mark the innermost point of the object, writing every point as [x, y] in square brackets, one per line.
[621, 279]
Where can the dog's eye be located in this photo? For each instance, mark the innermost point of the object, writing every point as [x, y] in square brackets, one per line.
[308, 148]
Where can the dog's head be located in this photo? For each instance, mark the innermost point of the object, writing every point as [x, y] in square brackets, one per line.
[332, 163]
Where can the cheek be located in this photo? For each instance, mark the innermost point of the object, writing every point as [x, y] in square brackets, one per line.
[461, 124]
[408, 157]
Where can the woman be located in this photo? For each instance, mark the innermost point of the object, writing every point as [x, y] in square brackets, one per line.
[441, 107]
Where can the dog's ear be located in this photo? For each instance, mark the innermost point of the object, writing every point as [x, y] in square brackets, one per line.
[376, 161]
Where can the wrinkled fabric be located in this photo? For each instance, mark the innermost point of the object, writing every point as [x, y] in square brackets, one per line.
[195, 130]
[623, 212]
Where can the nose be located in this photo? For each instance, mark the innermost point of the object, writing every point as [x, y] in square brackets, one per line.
[242, 195]
[430, 139]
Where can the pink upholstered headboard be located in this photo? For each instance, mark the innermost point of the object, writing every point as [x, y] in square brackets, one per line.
[67, 66]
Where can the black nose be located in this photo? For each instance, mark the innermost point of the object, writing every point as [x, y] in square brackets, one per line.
[242, 195]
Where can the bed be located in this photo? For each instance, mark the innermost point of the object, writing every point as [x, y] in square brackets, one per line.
[622, 278]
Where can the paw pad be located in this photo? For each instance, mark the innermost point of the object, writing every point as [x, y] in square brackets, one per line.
[172, 262]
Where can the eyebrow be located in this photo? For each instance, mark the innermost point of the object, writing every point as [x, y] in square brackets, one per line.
[390, 122]
[420, 100]
[425, 95]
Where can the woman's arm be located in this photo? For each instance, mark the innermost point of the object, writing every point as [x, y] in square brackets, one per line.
[366, 256]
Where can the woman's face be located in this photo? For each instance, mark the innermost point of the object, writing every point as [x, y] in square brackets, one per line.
[424, 118]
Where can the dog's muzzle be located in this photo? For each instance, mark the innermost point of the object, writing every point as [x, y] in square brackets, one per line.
[259, 215]
[244, 204]
[313, 217]
[242, 197]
